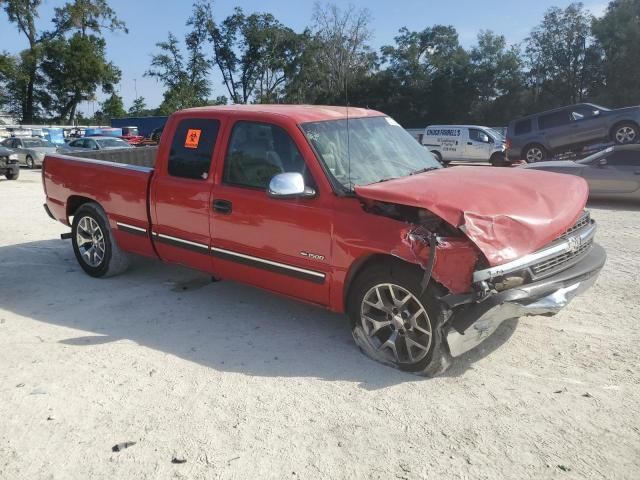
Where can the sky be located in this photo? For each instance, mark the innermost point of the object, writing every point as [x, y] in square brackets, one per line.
[149, 22]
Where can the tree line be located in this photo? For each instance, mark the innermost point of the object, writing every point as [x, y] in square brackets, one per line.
[422, 77]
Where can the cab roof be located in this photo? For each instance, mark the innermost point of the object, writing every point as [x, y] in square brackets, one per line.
[298, 113]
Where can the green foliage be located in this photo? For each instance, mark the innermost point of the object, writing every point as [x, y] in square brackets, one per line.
[74, 68]
[113, 107]
[617, 36]
[138, 107]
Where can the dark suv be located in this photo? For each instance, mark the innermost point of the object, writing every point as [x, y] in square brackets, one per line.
[536, 137]
[9, 166]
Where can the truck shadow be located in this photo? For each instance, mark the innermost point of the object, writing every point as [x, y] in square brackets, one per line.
[223, 325]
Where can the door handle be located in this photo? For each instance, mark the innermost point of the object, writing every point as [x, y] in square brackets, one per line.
[222, 206]
[469, 143]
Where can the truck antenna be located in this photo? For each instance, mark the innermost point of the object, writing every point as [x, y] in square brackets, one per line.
[346, 98]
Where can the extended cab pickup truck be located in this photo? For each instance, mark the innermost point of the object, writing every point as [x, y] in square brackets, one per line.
[343, 209]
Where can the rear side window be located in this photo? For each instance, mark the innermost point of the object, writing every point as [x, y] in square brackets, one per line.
[522, 127]
[553, 120]
[192, 148]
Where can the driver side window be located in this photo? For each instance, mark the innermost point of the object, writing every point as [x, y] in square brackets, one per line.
[259, 151]
[478, 136]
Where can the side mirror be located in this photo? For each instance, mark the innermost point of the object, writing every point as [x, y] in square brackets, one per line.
[596, 113]
[289, 185]
[602, 162]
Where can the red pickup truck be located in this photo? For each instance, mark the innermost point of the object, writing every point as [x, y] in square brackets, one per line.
[343, 209]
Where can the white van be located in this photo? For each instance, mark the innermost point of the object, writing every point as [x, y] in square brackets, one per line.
[465, 143]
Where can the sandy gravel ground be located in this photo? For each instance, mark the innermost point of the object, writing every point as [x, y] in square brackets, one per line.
[245, 385]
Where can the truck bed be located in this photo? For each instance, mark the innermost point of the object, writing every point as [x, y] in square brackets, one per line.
[140, 156]
[122, 190]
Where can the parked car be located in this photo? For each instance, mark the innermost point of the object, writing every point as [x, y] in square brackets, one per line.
[612, 174]
[131, 135]
[467, 143]
[346, 212]
[9, 164]
[94, 143]
[30, 150]
[537, 137]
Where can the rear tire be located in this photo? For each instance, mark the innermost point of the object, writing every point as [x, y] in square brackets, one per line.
[625, 133]
[30, 163]
[409, 319]
[535, 153]
[95, 247]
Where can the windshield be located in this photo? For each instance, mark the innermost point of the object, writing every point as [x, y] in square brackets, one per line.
[496, 134]
[376, 149]
[595, 156]
[112, 143]
[36, 142]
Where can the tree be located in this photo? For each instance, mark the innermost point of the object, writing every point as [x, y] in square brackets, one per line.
[186, 83]
[498, 80]
[255, 54]
[87, 16]
[74, 68]
[341, 51]
[617, 36]
[113, 107]
[23, 13]
[74, 61]
[138, 107]
[557, 56]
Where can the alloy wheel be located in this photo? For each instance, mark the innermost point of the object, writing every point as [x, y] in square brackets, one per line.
[90, 241]
[625, 134]
[534, 154]
[396, 324]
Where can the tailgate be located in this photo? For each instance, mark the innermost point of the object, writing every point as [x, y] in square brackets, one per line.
[122, 191]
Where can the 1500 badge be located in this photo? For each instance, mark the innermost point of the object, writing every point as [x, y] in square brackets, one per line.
[312, 256]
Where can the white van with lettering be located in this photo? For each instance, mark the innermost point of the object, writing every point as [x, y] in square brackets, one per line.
[465, 143]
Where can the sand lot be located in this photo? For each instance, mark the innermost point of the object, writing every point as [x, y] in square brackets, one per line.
[246, 385]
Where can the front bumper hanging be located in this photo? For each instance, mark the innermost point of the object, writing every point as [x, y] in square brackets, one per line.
[472, 323]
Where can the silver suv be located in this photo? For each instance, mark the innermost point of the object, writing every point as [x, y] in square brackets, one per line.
[537, 137]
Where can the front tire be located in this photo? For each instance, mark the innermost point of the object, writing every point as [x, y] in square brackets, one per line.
[395, 323]
[498, 160]
[625, 133]
[95, 247]
[12, 175]
[30, 163]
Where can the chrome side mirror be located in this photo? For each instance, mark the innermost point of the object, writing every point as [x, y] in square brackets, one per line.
[289, 185]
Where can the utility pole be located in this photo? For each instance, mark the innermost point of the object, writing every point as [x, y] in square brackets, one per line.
[135, 87]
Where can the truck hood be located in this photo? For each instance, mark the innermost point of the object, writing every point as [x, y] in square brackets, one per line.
[506, 212]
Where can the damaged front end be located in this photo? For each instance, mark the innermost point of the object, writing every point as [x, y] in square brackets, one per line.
[541, 283]
[481, 296]
[528, 253]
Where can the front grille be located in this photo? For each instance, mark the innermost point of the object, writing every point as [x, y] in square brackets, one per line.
[583, 221]
[561, 260]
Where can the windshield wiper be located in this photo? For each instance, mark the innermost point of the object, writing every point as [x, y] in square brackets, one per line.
[426, 169]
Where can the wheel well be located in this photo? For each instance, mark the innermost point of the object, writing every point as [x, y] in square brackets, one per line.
[361, 264]
[622, 122]
[74, 203]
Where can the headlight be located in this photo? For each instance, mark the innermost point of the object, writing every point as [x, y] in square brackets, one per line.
[13, 156]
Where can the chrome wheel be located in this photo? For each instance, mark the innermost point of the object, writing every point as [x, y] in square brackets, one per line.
[396, 324]
[534, 154]
[90, 241]
[626, 134]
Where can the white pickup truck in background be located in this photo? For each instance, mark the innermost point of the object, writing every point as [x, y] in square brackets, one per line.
[465, 143]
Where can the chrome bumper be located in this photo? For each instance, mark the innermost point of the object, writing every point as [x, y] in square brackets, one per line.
[546, 297]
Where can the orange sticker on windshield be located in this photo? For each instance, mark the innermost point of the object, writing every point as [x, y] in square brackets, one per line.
[193, 138]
